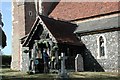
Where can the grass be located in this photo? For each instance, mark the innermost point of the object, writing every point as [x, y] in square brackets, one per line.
[8, 74]
[95, 75]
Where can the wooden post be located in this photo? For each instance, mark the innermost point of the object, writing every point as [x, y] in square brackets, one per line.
[56, 58]
[33, 53]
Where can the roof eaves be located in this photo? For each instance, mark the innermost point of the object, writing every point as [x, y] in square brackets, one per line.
[30, 34]
[45, 26]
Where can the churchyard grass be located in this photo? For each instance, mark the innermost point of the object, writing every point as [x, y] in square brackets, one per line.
[8, 74]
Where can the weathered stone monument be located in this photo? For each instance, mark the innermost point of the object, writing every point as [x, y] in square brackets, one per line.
[79, 63]
[63, 72]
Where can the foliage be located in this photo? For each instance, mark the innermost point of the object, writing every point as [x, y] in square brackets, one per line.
[3, 38]
[6, 60]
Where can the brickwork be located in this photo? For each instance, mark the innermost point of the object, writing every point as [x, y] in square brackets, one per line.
[22, 23]
[30, 16]
[14, 61]
[46, 7]
[23, 17]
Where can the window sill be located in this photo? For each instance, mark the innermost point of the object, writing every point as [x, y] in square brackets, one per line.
[101, 57]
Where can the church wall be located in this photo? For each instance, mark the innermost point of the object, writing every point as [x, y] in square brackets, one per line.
[119, 51]
[30, 16]
[91, 60]
[23, 17]
[18, 31]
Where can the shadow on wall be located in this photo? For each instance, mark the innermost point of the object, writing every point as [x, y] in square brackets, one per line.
[90, 63]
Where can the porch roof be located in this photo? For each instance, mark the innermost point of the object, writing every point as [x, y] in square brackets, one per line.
[62, 31]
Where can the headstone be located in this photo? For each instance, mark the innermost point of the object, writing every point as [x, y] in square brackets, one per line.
[63, 71]
[79, 63]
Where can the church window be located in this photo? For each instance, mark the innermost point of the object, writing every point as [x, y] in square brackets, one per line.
[30, 13]
[101, 47]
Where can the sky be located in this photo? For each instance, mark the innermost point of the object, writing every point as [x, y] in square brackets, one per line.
[5, 8]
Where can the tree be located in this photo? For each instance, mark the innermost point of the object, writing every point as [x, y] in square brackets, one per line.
[2, 34]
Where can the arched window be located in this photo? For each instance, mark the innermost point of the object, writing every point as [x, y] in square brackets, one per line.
[101, 47]
[30, 13]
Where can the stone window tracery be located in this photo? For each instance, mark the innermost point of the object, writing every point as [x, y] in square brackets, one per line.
[101, 47]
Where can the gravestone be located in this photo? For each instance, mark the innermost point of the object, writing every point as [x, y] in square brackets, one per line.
[63, 72]
[79, 63]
